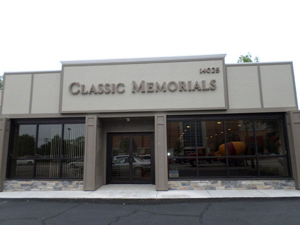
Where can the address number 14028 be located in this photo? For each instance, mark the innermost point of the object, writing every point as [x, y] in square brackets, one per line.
[210, 70]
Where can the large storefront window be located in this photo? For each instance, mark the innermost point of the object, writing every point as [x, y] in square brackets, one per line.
[47, 149]
[238, 146]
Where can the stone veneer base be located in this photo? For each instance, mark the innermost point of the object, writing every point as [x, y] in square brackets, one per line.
[41, 185]
[232, 185]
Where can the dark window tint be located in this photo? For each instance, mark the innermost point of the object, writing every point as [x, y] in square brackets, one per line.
[25, 139]
[74, 140]
[243, 167]
[49, 141]
[240, 131]
[273, 166]
[270, 137]
[47, 151]
[23, 168]
[47, 168]
[227, 147]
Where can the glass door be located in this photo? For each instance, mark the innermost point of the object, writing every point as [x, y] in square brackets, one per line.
[130, 158]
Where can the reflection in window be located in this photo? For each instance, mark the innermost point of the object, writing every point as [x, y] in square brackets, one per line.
[56, 154]
[240, 131]
[227, 147]
[49, 141]
[25, 138]
[273, 166]
[181, 138]
[242, 167]
[74, 140]
[72, 168]
[212, 139]
[179, 170]
[270, 136]
[22, 168]
[47, 168]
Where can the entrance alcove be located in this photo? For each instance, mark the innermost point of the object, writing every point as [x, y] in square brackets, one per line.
[126, 132]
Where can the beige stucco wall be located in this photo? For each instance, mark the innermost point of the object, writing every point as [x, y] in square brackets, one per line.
[278, 86]
[243, 87]
[261, 86]
[16, 95]
[45, 96]
[149, 72]
[31, 93]
[257, 87]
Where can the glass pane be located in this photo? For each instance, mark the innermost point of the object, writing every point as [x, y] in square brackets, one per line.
[181, 138]
[212, 167]
[22, 168]
[273, 166]
[119, 156]
[141, 149]
[211, 139]
[49, 141]
[47, 168]
[72, 168]
[24, 141]
[74, 137]
[240, 137]
[270, 136]
[182, 169]
[242, 167]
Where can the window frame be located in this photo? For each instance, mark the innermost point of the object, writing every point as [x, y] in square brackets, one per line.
[38, 122]
[229, 117]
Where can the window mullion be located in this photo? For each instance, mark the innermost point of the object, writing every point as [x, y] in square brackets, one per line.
[61, 150]
[35, 149]
[226, 150]
[196, 146]
[256, 148]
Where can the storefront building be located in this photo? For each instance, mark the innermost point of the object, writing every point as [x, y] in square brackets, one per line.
[177, 123]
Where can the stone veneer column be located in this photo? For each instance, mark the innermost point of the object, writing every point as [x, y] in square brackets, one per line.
[161, 157]
[293, 125]
[4, 139]
[91, 178]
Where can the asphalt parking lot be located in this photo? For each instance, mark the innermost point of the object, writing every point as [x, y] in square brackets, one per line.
[208, 212]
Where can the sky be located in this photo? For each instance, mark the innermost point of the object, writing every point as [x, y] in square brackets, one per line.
[37, 35]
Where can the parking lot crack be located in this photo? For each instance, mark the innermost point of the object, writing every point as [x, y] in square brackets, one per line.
[155, 213]
[203, 212]
[120, 217]
[168, 214]
[58, 214]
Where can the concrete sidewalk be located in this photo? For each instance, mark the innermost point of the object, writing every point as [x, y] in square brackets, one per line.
[148, 192]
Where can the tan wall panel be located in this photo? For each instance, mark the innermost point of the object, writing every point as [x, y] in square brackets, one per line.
[46, 88]
[243, 87]
[4, 139]
[153, 72]
[16, 99]
[134, 125]
[161, 155]
[293, 128]
[278, 86]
